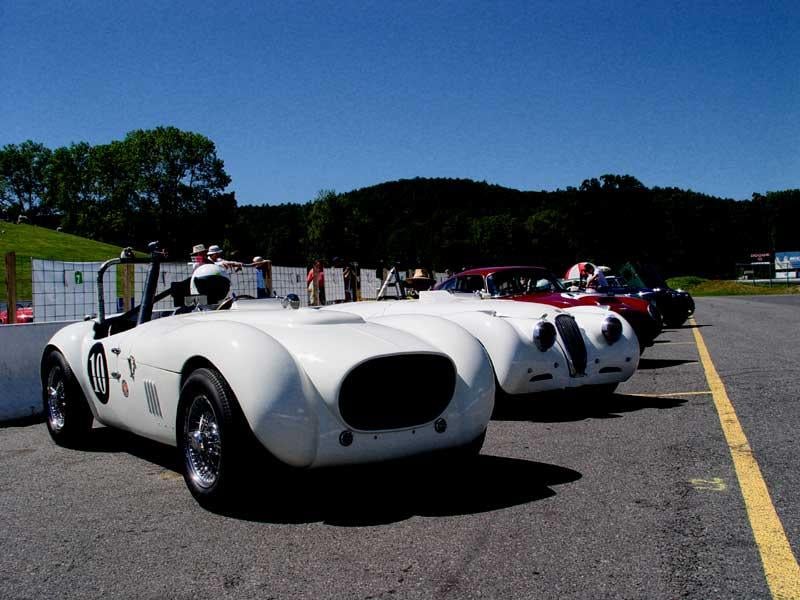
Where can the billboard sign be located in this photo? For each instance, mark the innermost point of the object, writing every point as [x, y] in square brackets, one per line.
[787, 261]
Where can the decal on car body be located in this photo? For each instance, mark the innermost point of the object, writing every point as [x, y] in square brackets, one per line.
[98, 372]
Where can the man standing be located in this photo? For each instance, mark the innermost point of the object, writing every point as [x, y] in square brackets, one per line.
[263, 277]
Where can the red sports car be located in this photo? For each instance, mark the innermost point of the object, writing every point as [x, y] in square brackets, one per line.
[535, 284]
[24, 314]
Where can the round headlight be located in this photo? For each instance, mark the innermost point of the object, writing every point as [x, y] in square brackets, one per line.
[544, 335]
[612, 329]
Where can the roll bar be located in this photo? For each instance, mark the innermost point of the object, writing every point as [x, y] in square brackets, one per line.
[146, 306]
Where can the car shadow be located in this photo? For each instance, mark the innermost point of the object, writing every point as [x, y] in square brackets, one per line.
[369, 495]
[373, 494]
[565, 407]
[688, 326]
[110, 440]
[23, 421]
[646, 364]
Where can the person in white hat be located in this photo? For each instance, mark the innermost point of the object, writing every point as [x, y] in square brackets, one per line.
[215, 256]
[263, 276]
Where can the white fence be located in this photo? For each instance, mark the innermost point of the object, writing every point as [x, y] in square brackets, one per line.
[67, 291]
[64, 291]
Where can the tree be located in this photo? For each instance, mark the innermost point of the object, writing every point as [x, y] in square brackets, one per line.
[175, 174]
[23, 170]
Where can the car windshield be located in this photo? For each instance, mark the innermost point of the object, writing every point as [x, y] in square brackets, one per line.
[522, 281]
[616, 281]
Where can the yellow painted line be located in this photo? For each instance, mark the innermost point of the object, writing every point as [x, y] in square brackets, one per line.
[780, 565]
[670, 395]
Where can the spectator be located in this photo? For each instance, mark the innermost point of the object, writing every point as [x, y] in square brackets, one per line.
[595, 279]
[215, 256]
[199, 255]
[263, 277]
[349, 276]
[316, 284]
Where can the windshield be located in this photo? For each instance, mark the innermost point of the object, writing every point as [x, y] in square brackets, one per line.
[522, 281]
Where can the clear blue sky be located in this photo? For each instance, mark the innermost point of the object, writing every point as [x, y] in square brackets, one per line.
[303, 96]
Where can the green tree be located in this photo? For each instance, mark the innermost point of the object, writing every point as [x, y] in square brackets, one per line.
[23, 175]
[176, 173]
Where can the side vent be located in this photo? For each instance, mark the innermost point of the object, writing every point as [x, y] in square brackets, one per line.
[153, 405]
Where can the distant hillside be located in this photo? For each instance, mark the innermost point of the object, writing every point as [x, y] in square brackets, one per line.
[29, 241]
[453, 223]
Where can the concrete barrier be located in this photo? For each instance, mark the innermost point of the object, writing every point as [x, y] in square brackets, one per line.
[20, 356]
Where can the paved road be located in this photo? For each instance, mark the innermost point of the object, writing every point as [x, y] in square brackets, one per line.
[633, 496]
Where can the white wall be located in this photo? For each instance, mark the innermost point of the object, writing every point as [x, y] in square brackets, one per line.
[20, 356]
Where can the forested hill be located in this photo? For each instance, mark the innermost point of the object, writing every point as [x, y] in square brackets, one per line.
[170, 185]
[450, 223]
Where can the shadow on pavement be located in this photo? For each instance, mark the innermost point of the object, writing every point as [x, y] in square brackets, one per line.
[662, 363]
[390, 492]
[372, 494]
[110, 440]
[565, 407]
[23, 421]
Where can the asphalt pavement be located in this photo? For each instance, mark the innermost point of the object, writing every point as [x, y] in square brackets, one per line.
[628, 496]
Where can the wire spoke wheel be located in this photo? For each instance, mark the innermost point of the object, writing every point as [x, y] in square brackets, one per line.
[202, 442]
[56, 399]
[67, 414]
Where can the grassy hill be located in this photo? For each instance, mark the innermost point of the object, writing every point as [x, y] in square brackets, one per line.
[29, 241]
[699, 286]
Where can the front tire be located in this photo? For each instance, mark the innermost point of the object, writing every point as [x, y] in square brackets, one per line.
[462, 455]
[212, 438]
[68, 416]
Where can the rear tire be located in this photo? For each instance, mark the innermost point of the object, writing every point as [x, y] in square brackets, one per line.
[67, 414]
[675, 322]
[212, 439]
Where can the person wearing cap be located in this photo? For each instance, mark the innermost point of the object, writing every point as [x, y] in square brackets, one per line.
[215, 256]
[263, 276]
[199, 255]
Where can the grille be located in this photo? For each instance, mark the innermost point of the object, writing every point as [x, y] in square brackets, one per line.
[151, 394]
[395, 392]
[573, 343]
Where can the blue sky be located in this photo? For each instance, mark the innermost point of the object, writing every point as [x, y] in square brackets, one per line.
[304, 96]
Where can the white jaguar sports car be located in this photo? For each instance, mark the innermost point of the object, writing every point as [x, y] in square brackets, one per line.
[533, 347]
[241, 392]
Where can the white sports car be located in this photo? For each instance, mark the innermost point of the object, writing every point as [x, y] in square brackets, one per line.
[533, 347]
[302, 387]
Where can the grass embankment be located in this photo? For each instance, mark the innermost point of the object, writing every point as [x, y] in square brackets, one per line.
[698, 286]
[29, 241]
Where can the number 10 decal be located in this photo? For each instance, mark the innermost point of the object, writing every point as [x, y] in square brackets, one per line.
[98, 372]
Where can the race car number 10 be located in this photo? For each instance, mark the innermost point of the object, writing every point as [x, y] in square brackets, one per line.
[98, 372]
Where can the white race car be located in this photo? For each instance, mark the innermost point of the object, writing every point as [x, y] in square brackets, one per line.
[236, 391]
[533, 347]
